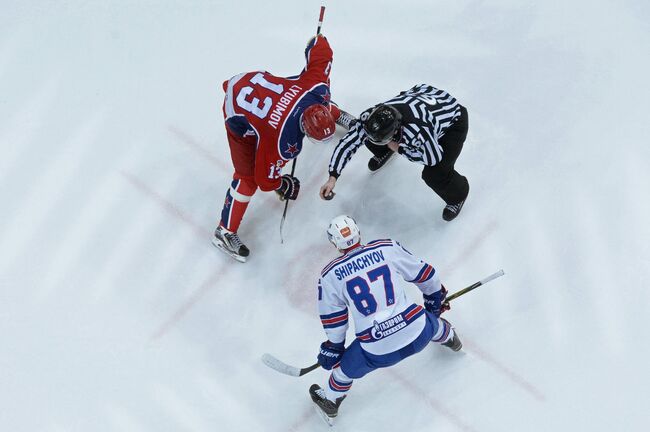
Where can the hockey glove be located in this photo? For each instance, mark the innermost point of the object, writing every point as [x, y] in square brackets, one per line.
[330, 354]
[310, 44]
[435, 303]
[289, 187]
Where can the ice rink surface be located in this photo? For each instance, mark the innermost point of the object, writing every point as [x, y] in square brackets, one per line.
[117, 314]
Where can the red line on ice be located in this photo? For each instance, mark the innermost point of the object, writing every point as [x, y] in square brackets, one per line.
[472, 348]
[198, 148]
[201, 232]
[306, 415]
[432, 402]
[168, 206]
[189, 303]
[490, 227]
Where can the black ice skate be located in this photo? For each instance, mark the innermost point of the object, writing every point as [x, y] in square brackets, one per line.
[454, 343]
[230, 243]
[327, 409]
[452, 210]
[377, 162]
[345, 119]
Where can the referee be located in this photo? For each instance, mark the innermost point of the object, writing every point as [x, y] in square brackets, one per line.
[424, 124]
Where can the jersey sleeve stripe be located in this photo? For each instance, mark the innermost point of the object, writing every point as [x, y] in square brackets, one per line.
[426, 273]
[336, 319]
[336, 324]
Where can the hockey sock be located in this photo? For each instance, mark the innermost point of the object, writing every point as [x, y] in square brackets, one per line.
[237, 198]
[444, 332]
[338, 385]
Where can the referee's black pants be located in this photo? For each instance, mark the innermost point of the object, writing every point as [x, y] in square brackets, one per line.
[443, 177]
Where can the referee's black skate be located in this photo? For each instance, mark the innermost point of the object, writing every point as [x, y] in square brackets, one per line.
[230, 243]
[327, 409]
[452, 210]
[377, 162]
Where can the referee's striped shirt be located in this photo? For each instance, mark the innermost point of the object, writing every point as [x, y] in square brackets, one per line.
[426, 111]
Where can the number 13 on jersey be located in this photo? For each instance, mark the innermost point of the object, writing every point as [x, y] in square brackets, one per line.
[253, 105]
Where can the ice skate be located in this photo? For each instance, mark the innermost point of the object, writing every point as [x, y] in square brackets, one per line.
[375, 163]
[327, 409]
[452, 210]
[230, 244]
[454, 343]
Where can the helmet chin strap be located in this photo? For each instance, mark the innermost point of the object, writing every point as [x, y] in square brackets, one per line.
[302, 127]
[397, 138]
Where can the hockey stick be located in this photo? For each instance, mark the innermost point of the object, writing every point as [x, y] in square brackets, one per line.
[474, 286]
[286, 369]
[293, 164]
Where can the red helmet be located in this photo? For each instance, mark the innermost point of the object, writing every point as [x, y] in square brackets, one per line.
[318, 123]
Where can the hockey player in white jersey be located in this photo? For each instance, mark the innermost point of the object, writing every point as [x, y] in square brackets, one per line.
[366, 285]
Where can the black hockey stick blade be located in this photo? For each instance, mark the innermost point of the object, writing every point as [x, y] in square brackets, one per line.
[284, 368]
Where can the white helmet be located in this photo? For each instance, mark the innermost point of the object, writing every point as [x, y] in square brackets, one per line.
[343, 232]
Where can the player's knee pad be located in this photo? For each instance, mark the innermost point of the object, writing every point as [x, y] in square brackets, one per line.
[242, 189]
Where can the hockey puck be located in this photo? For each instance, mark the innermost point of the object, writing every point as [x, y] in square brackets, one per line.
[330, 196]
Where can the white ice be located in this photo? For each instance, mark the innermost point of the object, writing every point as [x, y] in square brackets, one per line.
[117, 314]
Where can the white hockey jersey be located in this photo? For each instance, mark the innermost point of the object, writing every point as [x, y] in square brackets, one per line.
[368, 284]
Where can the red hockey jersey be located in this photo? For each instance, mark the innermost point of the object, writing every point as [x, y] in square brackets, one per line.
[269, 107]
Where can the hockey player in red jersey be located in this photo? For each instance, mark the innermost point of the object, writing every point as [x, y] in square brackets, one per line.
[266, 119]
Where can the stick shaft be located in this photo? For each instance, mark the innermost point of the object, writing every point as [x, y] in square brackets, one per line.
[293, 164]
[475, 285]
[320, 19]
[286, 203]
[309, 369]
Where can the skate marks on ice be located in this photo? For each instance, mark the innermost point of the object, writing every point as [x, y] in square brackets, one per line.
[193, 144]
[300, 281]
[471, 347]
[188, 304]
[169, 207]
[432, 402]
[201, 232]
[457, 263]
[474, 350]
